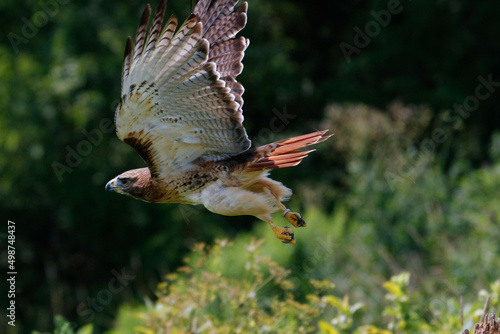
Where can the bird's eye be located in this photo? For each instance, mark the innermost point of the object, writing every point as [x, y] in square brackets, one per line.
[124, 181]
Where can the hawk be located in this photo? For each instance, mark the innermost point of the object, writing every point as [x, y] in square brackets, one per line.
[181, 110]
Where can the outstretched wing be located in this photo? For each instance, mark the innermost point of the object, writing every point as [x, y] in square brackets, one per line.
[180, 100]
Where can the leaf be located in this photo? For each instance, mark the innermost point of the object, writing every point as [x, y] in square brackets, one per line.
[144, 330]
[335, 302]
[87, 329]
[326, 328]
[393, 289]
[354, 308]
[62, 326]
[372, 330]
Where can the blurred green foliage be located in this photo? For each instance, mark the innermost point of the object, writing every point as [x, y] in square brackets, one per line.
[62, 326]
[379, 195]
[202, 297]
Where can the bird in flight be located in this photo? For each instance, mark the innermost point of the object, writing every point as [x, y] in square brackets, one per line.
[181, 110]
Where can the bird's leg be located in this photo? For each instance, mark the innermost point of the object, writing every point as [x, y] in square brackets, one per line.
[293, 218]
[284, 234]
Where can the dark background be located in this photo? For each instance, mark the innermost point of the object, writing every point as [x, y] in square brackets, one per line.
[60, 75]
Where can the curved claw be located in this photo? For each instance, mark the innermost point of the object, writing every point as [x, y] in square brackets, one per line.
[292, 240]
[300, 220]
[285, 234]
[295, 219]
[291, 235]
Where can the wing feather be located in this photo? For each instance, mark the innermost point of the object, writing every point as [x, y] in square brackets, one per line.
[127, 60]
[221, 22]
[167, 32]
[140, 36]
[210, 10]
[180, 100]
[227, 26]
[156, 26]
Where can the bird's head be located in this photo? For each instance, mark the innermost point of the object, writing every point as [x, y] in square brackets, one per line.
[131, 183]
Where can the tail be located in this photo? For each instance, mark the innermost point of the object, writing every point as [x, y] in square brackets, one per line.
[284, 153]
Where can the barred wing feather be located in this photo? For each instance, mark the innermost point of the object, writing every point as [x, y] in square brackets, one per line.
[180, 98]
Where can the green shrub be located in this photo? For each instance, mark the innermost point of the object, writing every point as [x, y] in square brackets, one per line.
[200, 298]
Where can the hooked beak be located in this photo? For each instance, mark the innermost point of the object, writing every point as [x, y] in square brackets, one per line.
[110, 186]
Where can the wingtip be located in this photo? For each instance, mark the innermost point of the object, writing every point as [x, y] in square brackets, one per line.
[128, 46]
[162, 5]
[145, 15]
[243, 7]
[160, 9]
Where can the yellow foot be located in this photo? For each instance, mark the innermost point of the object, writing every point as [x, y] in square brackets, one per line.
[284, 234]
[294, 218]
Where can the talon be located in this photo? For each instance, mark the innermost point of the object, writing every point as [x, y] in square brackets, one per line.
[300, 220]
[295, 219]
[285, 235]
[289, 233]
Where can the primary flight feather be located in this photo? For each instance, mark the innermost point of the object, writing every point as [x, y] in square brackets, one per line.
[181, 110]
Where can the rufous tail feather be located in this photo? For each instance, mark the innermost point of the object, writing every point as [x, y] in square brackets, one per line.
[284, 153]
